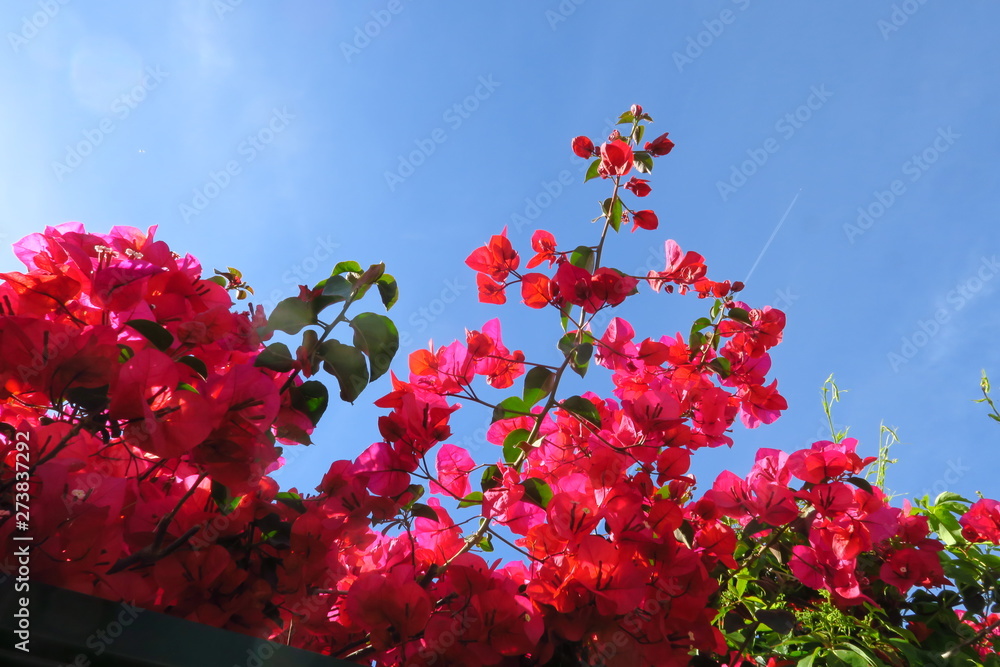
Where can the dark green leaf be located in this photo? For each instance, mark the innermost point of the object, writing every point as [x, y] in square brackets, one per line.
[722, 366]
[276, 357]
[861, 483]
[779, 620]
[491, 478]
[740, 315]
[290, 315]
[338, 287]
[388, 290]
[153, 332]
[537, 492]
[124, 353]
[592, 170]
[581, 407]
[310, 398]
[289, 431]
[196, 364]
[347, 364]
[581, 358]
[537, 384]
[291, 499]
[424, 511]
[643, 161]
[225, 502]
[376, 336]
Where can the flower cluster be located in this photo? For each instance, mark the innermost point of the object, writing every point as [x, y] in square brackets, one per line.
[156, 412]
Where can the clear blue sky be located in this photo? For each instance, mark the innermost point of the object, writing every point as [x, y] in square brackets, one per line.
[287, 120]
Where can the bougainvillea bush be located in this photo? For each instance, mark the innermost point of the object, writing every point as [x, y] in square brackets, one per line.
[153, 413]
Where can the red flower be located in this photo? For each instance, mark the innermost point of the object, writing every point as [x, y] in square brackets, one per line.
[644, 220]
[982, 522]
[536, 290]
[660, 146]
[638, 186]
[616, 158]
[490, 291]
[583, 147]
[544, 245]
[496, 259]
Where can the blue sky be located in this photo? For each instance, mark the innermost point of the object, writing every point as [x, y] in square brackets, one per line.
[282, 139]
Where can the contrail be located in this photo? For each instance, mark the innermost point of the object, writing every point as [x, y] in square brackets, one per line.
[773, 234]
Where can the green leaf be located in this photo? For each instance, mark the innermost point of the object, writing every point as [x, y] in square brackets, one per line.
[311, 399]
[486, 544]
[474, 498]
[861, 483]
[642, 160]
[196, 364]
[338, 287]
[581, 407]
[949, 496]
[809, 660]
[512, 444]
[740, 315]
[853, 657]
[153, 332]
[346, 267]
[219, 280]
[722, 366]
[290, 315]
[537, 492]
[376, 336]
[512, 406]
[287, 431]
[387, 290]
[424, 511]
[537, 384]
[347, 364]
[637, 134]
[781, 621]
[626, 117]
[615, 217]
[225, 502]
[592, 170]
[581, 358]
[583, 257]
[491, 478]
[291, 499]
[124, 353]
[276, 357]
